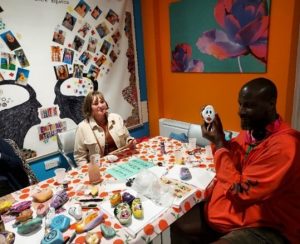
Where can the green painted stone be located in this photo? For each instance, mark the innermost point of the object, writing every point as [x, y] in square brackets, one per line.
[29, 226]
[107, 231]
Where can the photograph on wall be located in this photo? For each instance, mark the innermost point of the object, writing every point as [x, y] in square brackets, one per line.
[219, 36]
[10, 40]
[8, 61]
[68, 56]
[55, 54]
[59, 36]
[22, 58]
[69, 21]
[22, 76]
[96, 12]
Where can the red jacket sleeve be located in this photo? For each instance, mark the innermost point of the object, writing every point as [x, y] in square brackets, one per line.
[253, 178]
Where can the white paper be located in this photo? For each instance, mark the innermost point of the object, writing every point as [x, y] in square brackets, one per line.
[200, 177]
[116, 185]
[158, 171]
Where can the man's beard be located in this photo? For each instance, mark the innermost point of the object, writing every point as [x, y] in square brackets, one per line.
[254, 125]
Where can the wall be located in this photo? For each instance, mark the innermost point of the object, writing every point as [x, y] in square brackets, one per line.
[47, 101]
[181, 95]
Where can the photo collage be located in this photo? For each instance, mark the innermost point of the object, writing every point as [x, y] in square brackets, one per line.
[86, 43]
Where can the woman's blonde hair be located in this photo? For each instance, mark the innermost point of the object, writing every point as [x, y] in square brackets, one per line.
[88, 101]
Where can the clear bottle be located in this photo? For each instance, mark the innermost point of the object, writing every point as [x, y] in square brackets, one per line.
[93, 171]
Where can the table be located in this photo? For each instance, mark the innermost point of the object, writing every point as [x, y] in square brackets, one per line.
[147, 150]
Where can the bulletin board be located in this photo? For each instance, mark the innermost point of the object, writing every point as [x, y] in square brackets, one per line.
[52, 53]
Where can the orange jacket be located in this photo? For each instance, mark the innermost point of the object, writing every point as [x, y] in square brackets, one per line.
[262, 189]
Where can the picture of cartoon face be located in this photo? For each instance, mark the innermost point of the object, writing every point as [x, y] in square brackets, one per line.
[18, 110]
[208, 114]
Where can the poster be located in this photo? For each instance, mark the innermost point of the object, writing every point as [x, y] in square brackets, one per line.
[52, 53]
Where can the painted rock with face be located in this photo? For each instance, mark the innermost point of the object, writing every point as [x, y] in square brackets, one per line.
[208, 114]
[123, 213]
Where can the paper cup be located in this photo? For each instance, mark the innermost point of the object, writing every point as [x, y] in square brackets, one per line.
[178, 157]
[60, 174]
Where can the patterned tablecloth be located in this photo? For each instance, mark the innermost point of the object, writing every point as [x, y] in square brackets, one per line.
[148, 151]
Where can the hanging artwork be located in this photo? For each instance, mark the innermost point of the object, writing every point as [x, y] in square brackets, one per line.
[219, 35]
[53, 58]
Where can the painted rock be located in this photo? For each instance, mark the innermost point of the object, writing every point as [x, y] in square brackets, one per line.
[53, 237]
[92, 238]
[123, 213]
[19, 207]
[185, 174]
[42, 195]
[76, 211]
[7, 237]
[137, 208]
[208, 114]
[89, 222]
[24, 215]
[60, 222]
[115, 199]
[59, 199]
[42, 209]
[30, 226]
[127, 197]
[4, 206]
[107, 231]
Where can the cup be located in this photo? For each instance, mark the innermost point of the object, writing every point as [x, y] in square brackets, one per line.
[192, 143]
[60, 174]
[178, 157]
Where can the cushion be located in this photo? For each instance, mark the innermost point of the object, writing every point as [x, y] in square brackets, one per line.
[179, 136]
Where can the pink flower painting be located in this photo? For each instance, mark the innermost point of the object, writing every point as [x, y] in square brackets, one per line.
[219, 35]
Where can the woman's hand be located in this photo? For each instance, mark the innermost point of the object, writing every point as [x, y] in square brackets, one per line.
[214, 132]
[132, 144]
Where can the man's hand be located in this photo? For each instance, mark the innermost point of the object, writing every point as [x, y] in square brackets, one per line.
[214, 132]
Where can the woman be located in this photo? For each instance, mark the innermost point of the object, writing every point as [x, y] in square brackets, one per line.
[101, 132]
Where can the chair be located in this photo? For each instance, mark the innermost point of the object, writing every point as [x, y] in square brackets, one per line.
[65, 143]
[32, 178]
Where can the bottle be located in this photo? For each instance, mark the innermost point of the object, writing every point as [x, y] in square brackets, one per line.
[93, 171]
[162, 148]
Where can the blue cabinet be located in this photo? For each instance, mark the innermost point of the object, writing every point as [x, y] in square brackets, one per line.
[39, 165]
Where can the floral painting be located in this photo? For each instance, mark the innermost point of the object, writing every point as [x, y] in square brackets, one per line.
[219, 35]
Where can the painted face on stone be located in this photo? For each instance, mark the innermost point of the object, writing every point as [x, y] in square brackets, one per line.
[123, 213]
[208, 114]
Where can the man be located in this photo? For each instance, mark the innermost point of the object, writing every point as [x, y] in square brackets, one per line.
[255, 198]
[13, 176]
